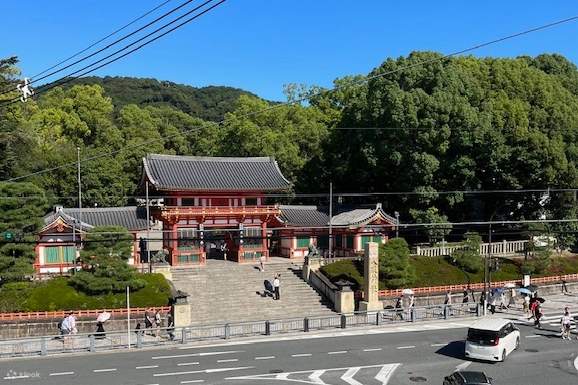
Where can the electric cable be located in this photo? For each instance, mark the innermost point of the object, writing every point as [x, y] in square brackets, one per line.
[320, 92]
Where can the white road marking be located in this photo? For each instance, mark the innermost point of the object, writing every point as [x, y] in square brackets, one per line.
[147, 367]
[348, 376]
[187, 363]
[61, 374]
[192, 381]
[301, 355]
[104, 370]
[15, 377]
[406, 347]
[576, 363]
[338, 352]
[231, 360]
[202, 371]
[265, 358]
[372, 350]
[196, 354]
[463, 365]
[533, 336]
[385, 373]
[437, 345]
[315, 377]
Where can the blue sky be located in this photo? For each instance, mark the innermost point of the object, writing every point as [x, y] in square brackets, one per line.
[260, 45]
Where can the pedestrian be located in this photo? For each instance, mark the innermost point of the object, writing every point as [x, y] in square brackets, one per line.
[158, 323]
[566, 323]
[564, 287]
[276, 284]
[411, 301]
[538, 315]
[465, 299]
[100, 332]
[72, 323]
[493, 301]
[512, 301]
[448, 299]
[170, 326]
[149, 318]
[399, 308]
[526, 304]
[262, 263]
[502, 300]
[64, 326]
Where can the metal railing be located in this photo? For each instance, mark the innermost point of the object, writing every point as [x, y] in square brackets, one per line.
[171, 336]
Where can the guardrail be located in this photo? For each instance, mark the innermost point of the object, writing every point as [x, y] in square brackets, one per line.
[503, 248]
[80, 314]
[477, 286]
[171, 336]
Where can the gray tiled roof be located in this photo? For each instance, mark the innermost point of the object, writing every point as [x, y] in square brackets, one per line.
[319, 216]
[304, 215]
[192, 173]
[131, 217]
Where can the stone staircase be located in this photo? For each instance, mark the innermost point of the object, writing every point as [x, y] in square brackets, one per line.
[227, 292]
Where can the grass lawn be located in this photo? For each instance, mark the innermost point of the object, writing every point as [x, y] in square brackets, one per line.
[438, 271]
[57, 294]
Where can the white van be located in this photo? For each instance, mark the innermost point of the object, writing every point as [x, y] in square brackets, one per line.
[492, 339]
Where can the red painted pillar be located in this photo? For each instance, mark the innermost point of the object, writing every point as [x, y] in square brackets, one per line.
[174, 243]
[264, 239]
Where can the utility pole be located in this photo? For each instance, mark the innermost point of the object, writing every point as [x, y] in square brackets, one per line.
[397, 224]
[128, 315]
[330, 220]
[79, 198]
[148, 226]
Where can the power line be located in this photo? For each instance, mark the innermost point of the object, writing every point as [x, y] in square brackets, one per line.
[320, 92]
[98, 41]
[111, 44]
[70, 78]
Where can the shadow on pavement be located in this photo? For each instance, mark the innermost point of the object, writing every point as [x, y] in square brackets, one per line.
[454, 349]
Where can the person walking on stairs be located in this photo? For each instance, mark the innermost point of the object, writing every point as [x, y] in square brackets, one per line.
[276, 284]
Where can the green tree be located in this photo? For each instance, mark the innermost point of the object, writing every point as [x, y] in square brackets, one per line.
[104, 262]
[394, 264]
[427, 217]
[22, 206]
[468, 257]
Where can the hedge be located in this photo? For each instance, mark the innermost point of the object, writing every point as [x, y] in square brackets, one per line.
[58, 294]
[438, 271]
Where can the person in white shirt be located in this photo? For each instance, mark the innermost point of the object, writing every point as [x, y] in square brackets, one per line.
[566, 322]
[72, 324]
[276, 284]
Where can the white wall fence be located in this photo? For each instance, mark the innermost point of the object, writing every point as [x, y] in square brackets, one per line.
[503, 249]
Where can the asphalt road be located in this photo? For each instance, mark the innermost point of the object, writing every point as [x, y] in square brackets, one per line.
[372, 358]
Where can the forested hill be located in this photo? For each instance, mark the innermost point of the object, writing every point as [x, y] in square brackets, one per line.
[208, 103]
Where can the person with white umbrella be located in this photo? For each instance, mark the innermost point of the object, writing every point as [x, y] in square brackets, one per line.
[100, 320]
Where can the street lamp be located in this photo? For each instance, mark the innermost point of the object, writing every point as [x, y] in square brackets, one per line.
[396, 224]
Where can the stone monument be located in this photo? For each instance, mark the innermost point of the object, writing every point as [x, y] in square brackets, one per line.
[371, 269]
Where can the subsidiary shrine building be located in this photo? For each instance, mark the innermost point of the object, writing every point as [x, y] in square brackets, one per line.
[222, 208]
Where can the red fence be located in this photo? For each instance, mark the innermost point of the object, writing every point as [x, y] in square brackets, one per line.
[45, 315]
[477, 286]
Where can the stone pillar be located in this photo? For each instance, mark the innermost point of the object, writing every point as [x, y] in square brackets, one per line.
[371, 274]
[345, 301]
[182, 312]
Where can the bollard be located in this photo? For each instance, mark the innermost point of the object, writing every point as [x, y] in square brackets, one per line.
[306, 324]
[227, 331]
[343, 321]
[377, 317]
[139, 340]
[92, 344]
[183, 335]
[445, 312]
[43, 350]
[267, 328]
[412, 314]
